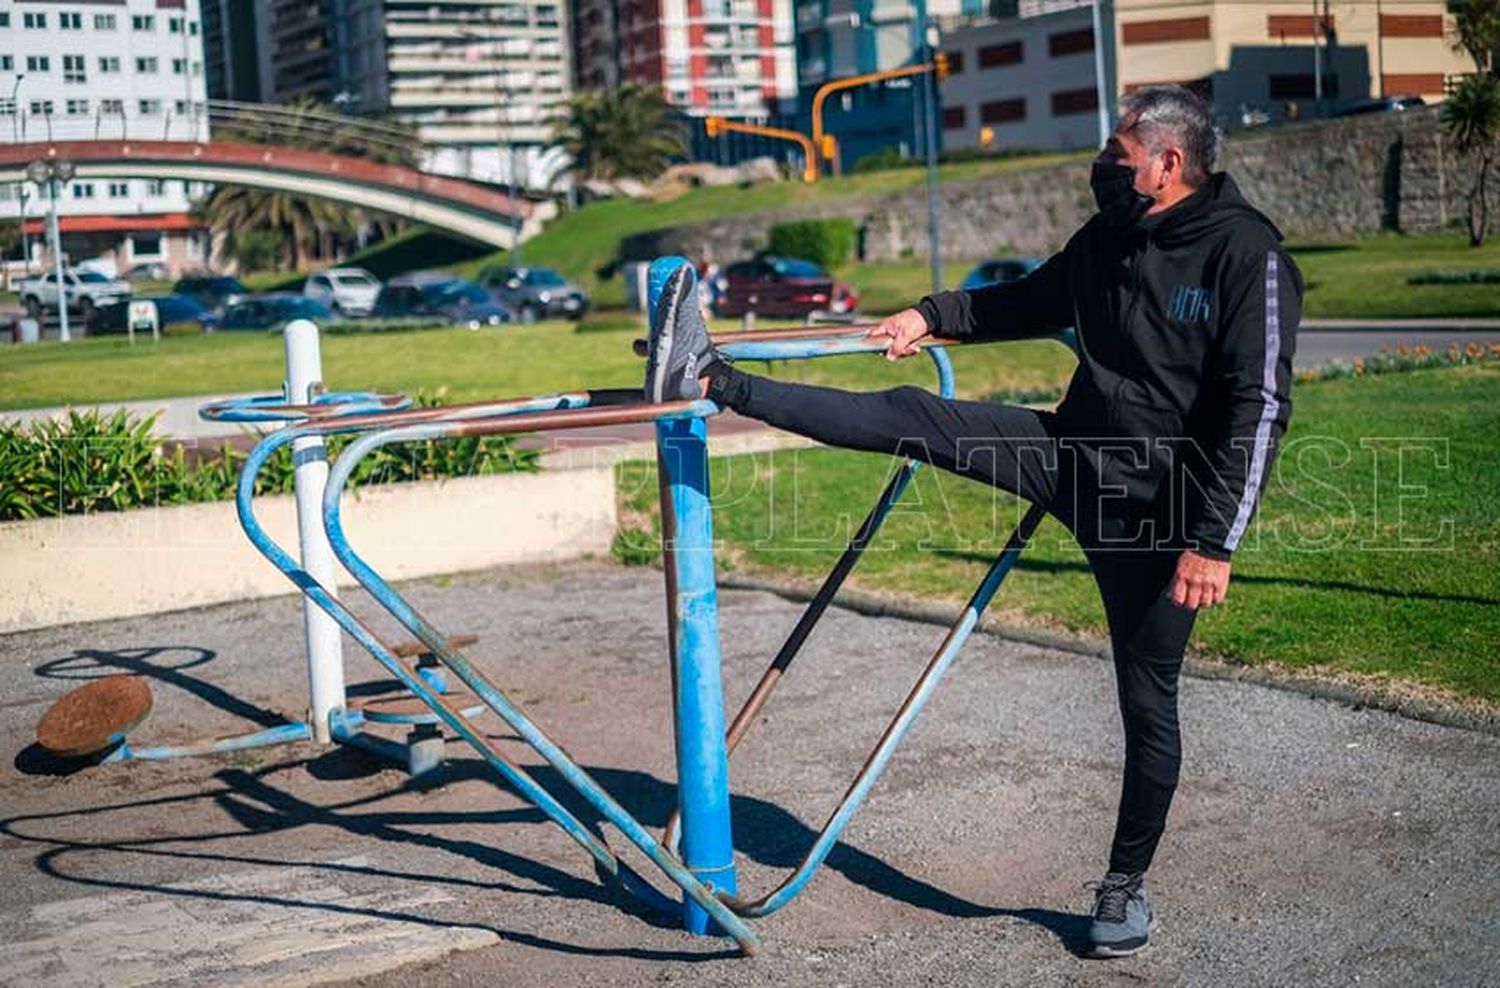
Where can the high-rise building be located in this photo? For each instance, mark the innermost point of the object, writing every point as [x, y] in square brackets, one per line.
[483, 80]
[231, 65]
[837, 39]
[295, 41]
[1028, 80]
[731, 58]
[128, 69]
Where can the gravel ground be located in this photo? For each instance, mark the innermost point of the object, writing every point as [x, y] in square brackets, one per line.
[1310, 844]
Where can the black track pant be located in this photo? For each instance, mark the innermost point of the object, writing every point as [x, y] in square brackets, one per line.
[1018, 450]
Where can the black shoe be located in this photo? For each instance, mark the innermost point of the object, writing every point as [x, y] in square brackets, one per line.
[678, 350]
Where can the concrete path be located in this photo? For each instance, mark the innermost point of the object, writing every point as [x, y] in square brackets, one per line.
[1311, 844]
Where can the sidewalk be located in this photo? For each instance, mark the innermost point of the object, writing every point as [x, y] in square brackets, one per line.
[1311, 843]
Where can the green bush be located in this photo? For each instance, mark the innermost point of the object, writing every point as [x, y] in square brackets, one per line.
[93, 462]
[257, 250]
[829, 243]
[635, 547]
[883, 161]
[1481, 276]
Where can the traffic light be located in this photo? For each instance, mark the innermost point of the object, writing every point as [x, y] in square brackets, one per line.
[940, 65]
[714, 126]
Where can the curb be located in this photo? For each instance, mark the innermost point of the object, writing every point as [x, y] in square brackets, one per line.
[1388, 699]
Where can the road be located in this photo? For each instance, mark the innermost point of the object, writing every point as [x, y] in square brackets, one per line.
[1311, 844]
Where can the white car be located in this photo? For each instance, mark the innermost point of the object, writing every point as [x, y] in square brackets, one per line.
[347, 291]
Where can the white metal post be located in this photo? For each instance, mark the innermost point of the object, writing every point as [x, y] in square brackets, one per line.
[57, 264]
[325, 656]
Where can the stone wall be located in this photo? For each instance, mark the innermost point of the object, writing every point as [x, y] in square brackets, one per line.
[1328, 180]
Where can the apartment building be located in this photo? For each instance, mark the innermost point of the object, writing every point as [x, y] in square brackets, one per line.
[1029, 80]
[107, 69]
[731, 58]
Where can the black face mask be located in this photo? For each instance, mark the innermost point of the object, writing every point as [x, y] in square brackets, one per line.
[1114, 193]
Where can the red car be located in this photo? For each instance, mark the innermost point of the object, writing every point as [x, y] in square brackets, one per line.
[779, 286]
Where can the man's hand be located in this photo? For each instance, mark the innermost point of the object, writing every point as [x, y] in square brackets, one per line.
[1199, 581]
[904, 331]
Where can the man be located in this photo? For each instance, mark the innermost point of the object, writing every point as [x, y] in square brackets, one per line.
[1186, 310]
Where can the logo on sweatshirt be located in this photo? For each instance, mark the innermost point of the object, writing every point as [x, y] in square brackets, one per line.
[1190, 304]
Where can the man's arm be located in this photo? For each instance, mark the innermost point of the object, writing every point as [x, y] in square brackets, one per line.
[1251, 374]
[1039, 304]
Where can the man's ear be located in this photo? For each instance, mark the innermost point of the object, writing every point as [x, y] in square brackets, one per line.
[1172, 160]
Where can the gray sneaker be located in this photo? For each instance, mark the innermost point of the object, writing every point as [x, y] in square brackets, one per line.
[1123, 921]
[678, 348]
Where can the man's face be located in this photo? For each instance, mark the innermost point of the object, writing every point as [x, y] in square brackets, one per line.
[1151, 170]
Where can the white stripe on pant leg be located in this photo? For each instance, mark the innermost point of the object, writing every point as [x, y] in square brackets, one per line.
[1268, 411]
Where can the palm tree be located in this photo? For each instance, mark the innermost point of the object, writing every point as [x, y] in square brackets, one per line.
[626, 132]
[1471, 115]
[307, 226]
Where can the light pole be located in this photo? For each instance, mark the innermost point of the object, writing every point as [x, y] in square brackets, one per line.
[929, 128]
[15, 130]
[52, 172]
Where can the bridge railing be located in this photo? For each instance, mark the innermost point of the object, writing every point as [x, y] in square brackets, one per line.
[177, 120]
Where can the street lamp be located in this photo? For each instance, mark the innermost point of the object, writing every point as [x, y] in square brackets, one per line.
[15, 125]
[50, 173]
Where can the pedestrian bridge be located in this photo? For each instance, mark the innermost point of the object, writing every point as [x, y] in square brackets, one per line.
[465, 208]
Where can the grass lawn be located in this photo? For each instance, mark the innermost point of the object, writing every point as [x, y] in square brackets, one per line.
[470, 365]
[1364, 559]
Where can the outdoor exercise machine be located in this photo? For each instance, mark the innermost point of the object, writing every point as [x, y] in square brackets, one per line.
[696, 853]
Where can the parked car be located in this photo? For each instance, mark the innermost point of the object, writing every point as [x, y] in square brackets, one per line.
[170, 310]
[439, 296]
[214, 292]
[1383, 104]
[779, 286]
[85, 292]
[535, 293]
[272, 310]
[1000, 269]
[347, 291]
[149, 271]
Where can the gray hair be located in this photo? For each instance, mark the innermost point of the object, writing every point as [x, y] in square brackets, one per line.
[1161, 116]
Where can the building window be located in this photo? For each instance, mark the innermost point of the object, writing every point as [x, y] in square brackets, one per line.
[41, 107]
[77, 107]
[1072, 101]
[179, 65]
[35, 22]
[4, 18]
[145, 244]
[109, 63]
[73, 69]
[1408, 25]
[143, 22]
[156, 187]
[70, 21]
[193, 28]
[112, 106]
[994, 56]
[174, 25]
[119, 190]
[83, 190]
[1171, 29]
[146, 65]
[105, 22]
[954, 118]
[1302, 85]
[7, 63]
[7, 108]
[1003, 111]
[150, 107]
[180, 107]
[38, 63]
[1070, 42]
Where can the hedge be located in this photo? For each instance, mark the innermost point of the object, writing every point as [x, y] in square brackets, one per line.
[827, 243]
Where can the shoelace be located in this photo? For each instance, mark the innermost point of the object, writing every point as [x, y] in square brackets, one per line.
[1112, 896]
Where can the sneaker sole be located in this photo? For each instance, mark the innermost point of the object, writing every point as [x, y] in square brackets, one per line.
[1107, 951]
[667, 309]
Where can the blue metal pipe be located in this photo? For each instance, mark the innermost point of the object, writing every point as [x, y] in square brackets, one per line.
[870, 772]
[437, 642]
[523, 783]
[280, 734]
[698, 691]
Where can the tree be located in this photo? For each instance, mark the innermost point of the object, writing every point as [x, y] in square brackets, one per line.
[1477, 27]
[1471, 115]
[626, 132]
[306, 226]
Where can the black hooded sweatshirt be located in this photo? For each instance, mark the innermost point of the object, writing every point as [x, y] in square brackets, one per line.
[1186, 324]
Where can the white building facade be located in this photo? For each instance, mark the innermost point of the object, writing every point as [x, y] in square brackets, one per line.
[105, 70]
